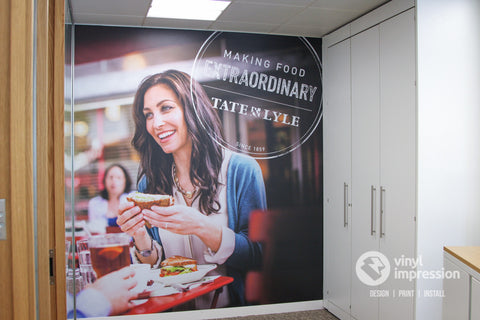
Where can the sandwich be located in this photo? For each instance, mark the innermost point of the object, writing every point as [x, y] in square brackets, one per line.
[146, 201]
[177, 265]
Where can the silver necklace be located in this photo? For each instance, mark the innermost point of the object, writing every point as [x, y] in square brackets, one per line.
[187, 194]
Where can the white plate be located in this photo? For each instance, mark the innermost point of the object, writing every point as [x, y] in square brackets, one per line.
[187, 277]
[159, 289]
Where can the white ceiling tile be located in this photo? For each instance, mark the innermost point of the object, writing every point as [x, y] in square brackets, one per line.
[306, 31]
[239, 26]
[320, 17]
[111, 7]
[258, 13]
[291, 17]
[85, 18]
[177, 23]
[349, 5]
[300, 3]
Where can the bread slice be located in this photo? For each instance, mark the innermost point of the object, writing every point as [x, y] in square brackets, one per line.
[146, 201]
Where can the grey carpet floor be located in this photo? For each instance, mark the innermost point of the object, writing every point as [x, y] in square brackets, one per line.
[302, 315]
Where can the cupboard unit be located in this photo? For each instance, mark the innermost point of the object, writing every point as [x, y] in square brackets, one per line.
[462, 285]
[370, 182]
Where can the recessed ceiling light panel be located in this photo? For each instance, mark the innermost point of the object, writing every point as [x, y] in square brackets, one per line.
[187, 9]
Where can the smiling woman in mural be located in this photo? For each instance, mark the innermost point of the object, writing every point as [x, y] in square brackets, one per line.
[214, 189]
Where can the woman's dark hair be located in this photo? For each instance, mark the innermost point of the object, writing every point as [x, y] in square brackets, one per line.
[206, 159]
[128, 180]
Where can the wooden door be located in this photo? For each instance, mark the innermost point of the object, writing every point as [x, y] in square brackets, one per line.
[17, 268]
[337, 178]
[6, 294]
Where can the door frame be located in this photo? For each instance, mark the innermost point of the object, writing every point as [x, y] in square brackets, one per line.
[33, 284]
[50, 55]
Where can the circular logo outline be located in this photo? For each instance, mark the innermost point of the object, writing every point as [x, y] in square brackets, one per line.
[372, 268]
[276, 153]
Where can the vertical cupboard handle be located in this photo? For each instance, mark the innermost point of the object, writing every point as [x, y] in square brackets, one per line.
[373, 200]
[382, 212]
[345, 204]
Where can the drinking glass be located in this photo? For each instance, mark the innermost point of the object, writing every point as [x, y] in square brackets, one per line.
[109, 252]
[67, 253]
[87, 273]
[75, 282]
[83, 252]
[85, 262]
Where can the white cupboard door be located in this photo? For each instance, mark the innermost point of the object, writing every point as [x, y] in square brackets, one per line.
[474, 300]
[365, 163]
[456, 303]
[397, 158]
[337, 167]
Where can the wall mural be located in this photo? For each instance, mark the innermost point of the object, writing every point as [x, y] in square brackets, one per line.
[197, 170]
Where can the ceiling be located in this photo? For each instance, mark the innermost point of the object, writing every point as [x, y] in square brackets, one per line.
[310, 18]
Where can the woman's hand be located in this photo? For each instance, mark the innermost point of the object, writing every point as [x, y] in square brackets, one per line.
[185, 220]
[178, 218]
[130, 220]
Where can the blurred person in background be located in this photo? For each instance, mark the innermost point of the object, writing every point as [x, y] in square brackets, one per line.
[103, 209]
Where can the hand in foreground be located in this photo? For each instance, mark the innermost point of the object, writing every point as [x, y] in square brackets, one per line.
[116, 287]
[130, 219]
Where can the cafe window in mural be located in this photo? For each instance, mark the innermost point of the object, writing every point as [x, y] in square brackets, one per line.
[196, 176]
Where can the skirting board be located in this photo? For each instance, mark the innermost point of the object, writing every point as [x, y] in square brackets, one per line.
[226, 312]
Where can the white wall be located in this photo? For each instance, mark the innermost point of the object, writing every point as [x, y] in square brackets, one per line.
[448, 135]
